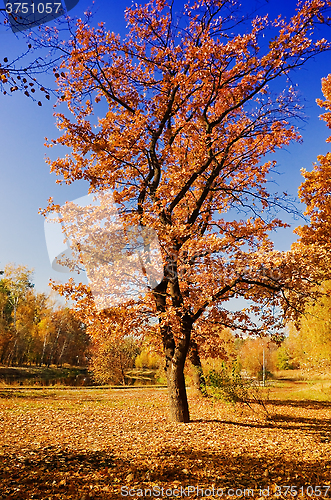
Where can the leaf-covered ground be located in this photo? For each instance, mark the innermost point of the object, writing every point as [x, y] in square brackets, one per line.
[100, 444]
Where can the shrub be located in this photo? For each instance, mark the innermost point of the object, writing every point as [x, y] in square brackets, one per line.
[283, 359]
[228, 385]
[225, 384]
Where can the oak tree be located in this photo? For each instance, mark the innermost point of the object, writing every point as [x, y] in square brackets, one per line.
[188, 107]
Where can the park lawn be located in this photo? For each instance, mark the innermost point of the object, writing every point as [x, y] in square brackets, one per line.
[96, 443]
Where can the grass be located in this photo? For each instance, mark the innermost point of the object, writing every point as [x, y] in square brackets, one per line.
[294, 385]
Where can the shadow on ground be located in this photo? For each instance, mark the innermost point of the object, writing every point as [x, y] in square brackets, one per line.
[54, 473]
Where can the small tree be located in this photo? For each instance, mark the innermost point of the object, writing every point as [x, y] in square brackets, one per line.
[310, 343]
[110, 362]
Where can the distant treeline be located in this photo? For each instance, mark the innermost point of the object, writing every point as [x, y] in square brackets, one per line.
[33, 330]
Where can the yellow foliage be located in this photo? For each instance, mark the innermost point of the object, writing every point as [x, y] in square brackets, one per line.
[251, 356]
[310, 344]
[148, 360]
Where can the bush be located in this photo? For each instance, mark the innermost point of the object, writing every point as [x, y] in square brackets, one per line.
[267, 374]
[283, 359]
[228, 385]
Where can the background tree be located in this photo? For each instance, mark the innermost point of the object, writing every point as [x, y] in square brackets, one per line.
[189, 113]
[252, 353]
[308, 345]
[17, 280]
[70, 341]
[110, 362]
[287, 355]
[5, 321]
[33, 311]
[315, 193]
[32, 329]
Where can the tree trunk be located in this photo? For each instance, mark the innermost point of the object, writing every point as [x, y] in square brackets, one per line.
[175, 362]
[175, 352]
[53, 347]
[44, 349]
[198, 378]
[179, 411]
[60, 357]
[12, 352]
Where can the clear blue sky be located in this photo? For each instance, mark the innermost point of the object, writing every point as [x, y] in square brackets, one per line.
[26, 184]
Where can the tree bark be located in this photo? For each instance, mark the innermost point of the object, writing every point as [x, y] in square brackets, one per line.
[175, 356]
[175, 361]
[178, 403]
[198, 377]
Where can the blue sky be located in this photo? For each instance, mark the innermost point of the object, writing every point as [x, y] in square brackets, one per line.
[26, 184]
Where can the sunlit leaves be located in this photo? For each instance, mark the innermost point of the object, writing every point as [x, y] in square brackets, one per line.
[190, 116]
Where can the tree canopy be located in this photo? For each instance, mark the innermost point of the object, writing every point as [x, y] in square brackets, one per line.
[177, 120]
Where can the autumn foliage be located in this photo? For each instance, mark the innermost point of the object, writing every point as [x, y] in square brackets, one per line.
[315, 191]
[188, 110]
[33, 330]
